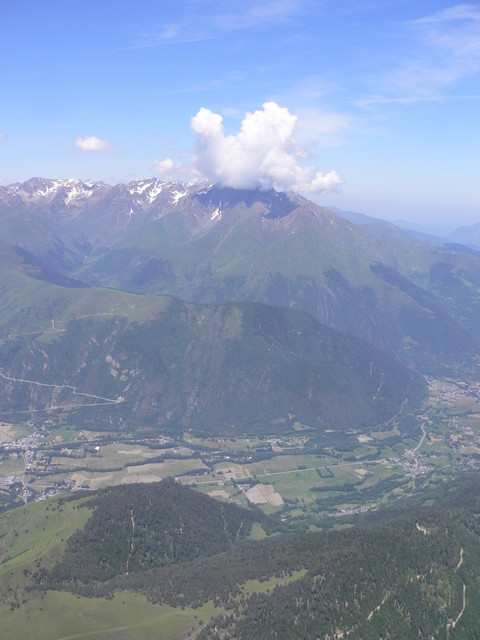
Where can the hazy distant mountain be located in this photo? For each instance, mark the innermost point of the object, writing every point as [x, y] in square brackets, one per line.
[469, 236]
[392, 230]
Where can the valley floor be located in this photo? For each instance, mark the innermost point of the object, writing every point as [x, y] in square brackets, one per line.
[301, 476]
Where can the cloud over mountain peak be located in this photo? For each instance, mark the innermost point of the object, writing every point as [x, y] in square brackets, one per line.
[263, 153]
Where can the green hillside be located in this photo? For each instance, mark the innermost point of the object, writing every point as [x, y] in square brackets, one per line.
[143, 362]
[36, 538]
[404, 573]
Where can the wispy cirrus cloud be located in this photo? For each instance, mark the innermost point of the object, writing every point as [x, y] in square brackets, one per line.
[444, 49]
[92, 143]
[456, 13]
[318, 126]
[206, 20]
[321, 128]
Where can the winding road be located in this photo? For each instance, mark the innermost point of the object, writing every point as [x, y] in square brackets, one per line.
[118, 400]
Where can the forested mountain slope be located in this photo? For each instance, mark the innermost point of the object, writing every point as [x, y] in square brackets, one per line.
[403, 574]
[117, 361]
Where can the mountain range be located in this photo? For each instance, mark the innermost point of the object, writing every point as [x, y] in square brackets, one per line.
[203, 243]
[291, 309]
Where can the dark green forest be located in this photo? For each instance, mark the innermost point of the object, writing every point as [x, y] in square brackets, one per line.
[138, 527]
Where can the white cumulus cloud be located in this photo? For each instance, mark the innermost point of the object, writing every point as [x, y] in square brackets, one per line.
[92, 143]
[164, 166]
[263, 153]
[168, 170]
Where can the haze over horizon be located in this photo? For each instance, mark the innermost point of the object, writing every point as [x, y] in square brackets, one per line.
[369, 106]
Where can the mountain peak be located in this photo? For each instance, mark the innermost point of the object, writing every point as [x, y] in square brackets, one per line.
[44, 191]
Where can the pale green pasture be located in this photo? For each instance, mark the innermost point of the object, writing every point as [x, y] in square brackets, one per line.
[15, 431]
[224, 444]
[111, 456]
[171, 467]
[42, 482]
[438, 447]
[11, 467]
[226, 491]
[103, 472]
[382, 435]
[67, 433]
[31, 535]
[365, 450]
[257, 532]
[472, 421]
[109, 303]
[375, 473]
[295, 485]
[346, 473]
[257, 586]
[289, 463]
[64, 616]
[386, 453]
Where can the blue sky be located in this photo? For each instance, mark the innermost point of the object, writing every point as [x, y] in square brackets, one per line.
[386, 96]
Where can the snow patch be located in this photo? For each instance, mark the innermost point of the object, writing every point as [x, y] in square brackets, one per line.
[216, 215]
[53, 188]
[77, 192]
[148, 189]
[155, 191]
[178, 195]
[139, 187]
[204, 191]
